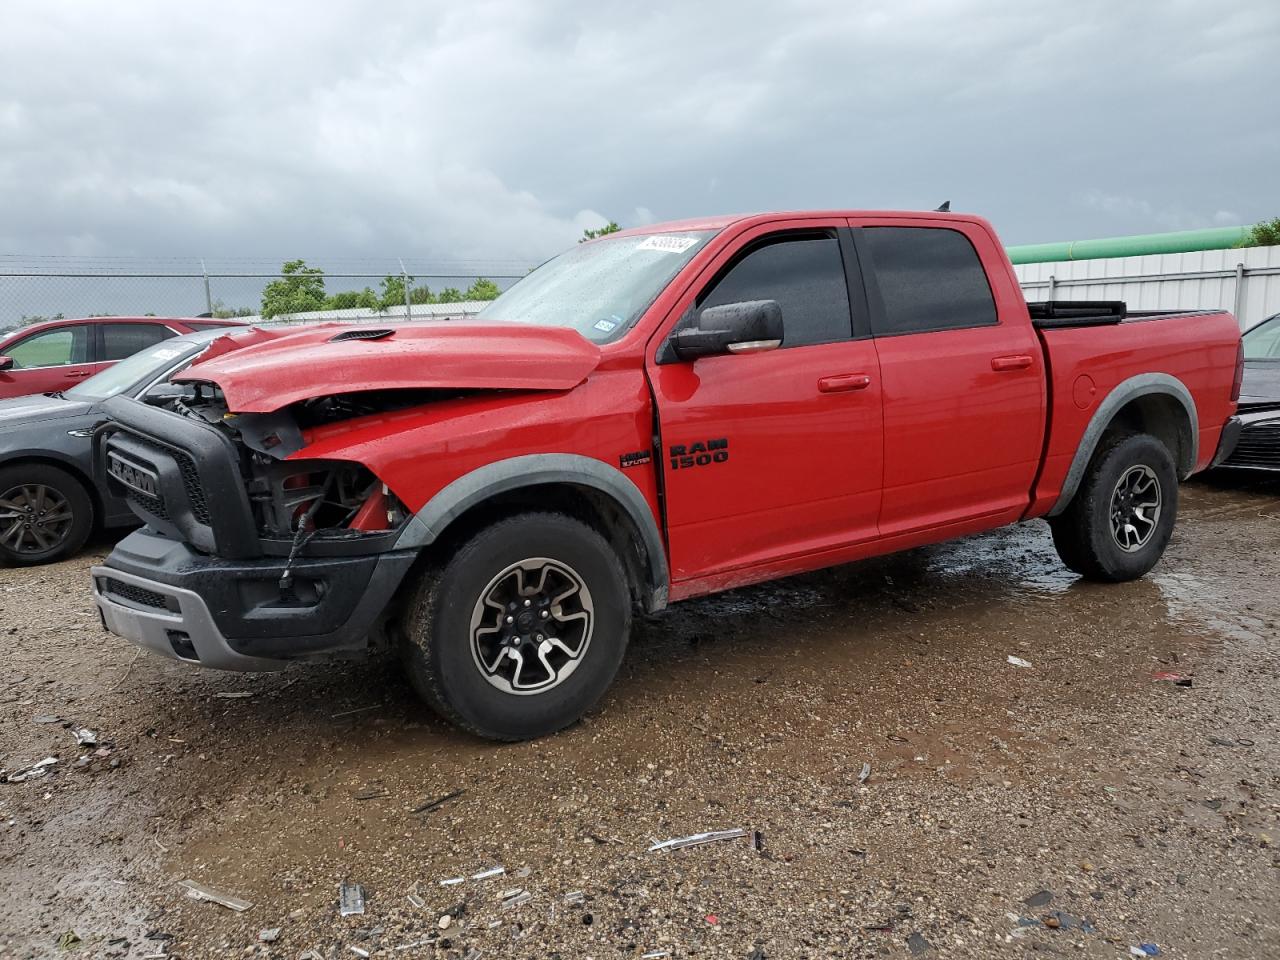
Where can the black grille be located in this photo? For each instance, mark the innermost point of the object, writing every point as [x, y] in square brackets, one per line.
[190, 482]
[127, 591]
[1259, 448]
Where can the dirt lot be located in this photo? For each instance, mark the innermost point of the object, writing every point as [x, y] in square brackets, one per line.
[1081, 790]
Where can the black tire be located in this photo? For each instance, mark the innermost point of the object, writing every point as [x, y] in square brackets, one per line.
[1083, 534]
[25, 546]
[443, 656]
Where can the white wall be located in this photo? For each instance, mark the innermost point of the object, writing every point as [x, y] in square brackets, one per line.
[1167, 281]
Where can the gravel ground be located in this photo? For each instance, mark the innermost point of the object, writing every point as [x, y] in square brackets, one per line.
[1077, 806]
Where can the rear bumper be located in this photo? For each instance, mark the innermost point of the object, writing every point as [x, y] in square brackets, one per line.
[1255, 444]
[232, 614]
[1226, 442]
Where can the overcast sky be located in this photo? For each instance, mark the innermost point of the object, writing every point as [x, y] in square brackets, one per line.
[498, 130]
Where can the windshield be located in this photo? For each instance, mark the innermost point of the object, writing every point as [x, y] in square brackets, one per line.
[140, 368]
[598, 288]
[1263, 341]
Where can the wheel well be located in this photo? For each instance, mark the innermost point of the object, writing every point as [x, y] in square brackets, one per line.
[586, 504]
[1163, 417]
[90, 488]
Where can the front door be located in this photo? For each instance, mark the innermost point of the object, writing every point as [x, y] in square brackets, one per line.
[773, 455]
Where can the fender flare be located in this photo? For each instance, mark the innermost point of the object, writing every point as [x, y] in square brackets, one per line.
[502, 476]
[1142, 385]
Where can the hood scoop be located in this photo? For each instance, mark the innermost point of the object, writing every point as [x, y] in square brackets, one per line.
[375, 334]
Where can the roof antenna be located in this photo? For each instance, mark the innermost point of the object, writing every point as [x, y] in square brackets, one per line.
[945, 208]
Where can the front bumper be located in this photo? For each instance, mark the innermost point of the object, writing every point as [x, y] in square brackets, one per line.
[232, 614]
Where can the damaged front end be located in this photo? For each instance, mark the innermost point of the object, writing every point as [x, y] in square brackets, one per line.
[248, 558]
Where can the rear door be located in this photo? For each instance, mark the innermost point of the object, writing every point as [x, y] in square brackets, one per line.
[120, 340]
[48, 360]
[772, 455]
[964, 394]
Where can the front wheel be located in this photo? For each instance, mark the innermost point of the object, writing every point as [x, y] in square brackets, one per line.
[1121, 518]
[522, 630]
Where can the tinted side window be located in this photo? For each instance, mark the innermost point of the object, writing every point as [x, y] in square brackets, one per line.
[806, 277]
[53, 348]
[122, 340]
[930, 279]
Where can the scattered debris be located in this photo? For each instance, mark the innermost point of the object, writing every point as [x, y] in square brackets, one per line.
[69, 940]
[1145, 950]
[446, 921]
[370, 793]
[518, 898]
[491, 872]
[347, 713]
[453, 881]
[1041, 899]
[523, 872]
[198, 891]
[574, 897]
[917, 944]
[697, 839]
[33, 772]
[269, 936]
[757, 841]
[46, 718]
[1017, 661]
[234, 694]
[416, 901]
[430, 805]
[425, 941]
[864, 773]
[85, 737]
[1177, 679]
[712, 919]
[350, 899]
[312, 954]
[360, 951]
[655, 955]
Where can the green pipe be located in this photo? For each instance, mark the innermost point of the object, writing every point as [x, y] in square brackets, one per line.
[1184, 241]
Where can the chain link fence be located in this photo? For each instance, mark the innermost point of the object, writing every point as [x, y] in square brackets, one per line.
[42, 288]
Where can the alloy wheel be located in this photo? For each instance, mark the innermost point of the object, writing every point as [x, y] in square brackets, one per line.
[1135, 508]
[34, 518]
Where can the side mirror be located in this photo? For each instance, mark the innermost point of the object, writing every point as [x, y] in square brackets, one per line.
[747, 327]
[6, 363]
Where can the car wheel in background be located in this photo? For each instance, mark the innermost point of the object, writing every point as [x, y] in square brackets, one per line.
[45, 514]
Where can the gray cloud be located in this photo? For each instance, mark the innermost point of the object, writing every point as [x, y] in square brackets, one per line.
[499, 130]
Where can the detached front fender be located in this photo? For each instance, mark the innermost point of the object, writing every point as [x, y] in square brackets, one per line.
[503, 476]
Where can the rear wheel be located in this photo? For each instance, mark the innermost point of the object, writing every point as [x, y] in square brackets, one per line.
[522, 630]
[46, 514]
[1122, 516]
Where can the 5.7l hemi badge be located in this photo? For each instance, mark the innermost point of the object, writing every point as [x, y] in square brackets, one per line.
[700, 454]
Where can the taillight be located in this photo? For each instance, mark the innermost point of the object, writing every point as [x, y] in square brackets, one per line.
[1238, 379]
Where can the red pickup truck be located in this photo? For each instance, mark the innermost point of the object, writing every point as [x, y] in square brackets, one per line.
[656, 415]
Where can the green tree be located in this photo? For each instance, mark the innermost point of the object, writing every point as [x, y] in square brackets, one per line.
[222, 312]
[350, 299]
[421, 295]
[608, 228]
[449, 295]
[482, 289]
[1264, 234]
[299, 289]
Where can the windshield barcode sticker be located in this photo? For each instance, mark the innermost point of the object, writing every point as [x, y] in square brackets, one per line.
[667, 243]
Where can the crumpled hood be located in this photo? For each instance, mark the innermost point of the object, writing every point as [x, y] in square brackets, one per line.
[37, 407]
[280, 367]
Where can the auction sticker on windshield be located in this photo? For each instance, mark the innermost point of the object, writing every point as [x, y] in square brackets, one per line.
[667, 244]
